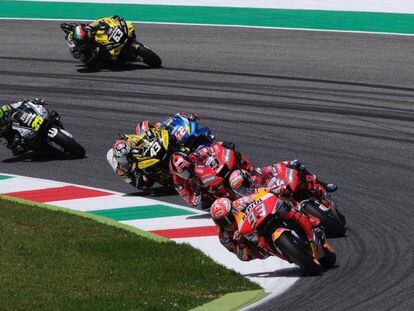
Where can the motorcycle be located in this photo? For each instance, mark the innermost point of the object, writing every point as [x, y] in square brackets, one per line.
[118, 39]
[186, 133]
[332, 220]
[275, 236]
[46, 131]
[150, 153]
[213, 174]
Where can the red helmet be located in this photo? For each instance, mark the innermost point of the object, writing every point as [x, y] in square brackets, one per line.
[181, 165]
[221, 213]
[241, 182]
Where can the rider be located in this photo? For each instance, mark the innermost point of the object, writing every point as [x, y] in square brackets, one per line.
[120, 158]
[146, 125]
[229, 236]
[10, 113]
[82, 44]
[182, 129]
[245, 182]
[187, 184]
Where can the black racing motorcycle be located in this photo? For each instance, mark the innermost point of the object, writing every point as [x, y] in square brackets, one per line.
[41, 129]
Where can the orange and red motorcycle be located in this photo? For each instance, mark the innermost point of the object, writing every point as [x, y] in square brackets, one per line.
[260, 224]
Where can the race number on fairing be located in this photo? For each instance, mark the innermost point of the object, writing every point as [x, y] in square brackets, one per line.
[116, 35]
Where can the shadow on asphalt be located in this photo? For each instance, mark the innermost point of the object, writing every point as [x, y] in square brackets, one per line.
[116, 67]
[294, 272]
[153, 192]
[41, 157]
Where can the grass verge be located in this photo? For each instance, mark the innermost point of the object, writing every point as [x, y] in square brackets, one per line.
[54, 260]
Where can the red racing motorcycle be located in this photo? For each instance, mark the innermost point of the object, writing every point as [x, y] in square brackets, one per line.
[332, 220]
[214, 172]
[261, 226]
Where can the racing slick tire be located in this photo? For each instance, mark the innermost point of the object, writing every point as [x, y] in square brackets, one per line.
[341, 217]
[69, 145]
[149, 57]
[329, 260]
[333, 227]
[295, 252]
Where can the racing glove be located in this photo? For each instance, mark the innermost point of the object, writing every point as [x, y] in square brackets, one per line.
[243, 253]
[137, 180]
[17, 146]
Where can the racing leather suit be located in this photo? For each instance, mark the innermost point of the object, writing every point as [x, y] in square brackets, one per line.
[146, 125]
[93, 52]
[266, 177]
[190, 189]
[13, 139]
[239, 245]
[126, 169]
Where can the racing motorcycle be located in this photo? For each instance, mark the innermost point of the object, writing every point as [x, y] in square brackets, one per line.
[150, 154]
[332, 220]
[213, 175]
[45, 131]
[118, 39]
[186, 133]
[275, 236]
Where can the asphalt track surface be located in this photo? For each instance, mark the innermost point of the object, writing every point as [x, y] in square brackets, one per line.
[341, 102]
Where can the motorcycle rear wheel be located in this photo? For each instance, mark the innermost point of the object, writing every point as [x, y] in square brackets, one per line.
[149, 57]
[333, 227]
[69, 145]
[297, 254]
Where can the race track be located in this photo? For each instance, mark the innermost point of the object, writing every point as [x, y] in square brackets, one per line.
[343, 103]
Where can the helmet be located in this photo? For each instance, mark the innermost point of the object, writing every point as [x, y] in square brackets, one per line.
[181, 165]
[5, 116]
[142, 127]
[241, 182]
[80, 36]
[221, 213]
[121, 150]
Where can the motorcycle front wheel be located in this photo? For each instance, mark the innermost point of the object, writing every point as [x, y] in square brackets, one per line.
[297, 254]
[333, 227]
[68, 144]
[149, 57]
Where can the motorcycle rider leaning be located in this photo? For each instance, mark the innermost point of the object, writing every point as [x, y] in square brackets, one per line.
[122, 156]
[82, 44]
[8, 114]
[187, 184]
[228, 234]
[146, 125]
[245, 250]
[120, 159]
[245, 182]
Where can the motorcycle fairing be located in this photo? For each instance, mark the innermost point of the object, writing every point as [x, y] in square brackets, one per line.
[113, 34]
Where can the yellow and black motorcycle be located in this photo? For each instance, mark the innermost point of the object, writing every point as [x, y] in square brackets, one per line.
[150, 154]
[116, 41]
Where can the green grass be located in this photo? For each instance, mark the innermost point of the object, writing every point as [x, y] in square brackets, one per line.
[52, 260]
